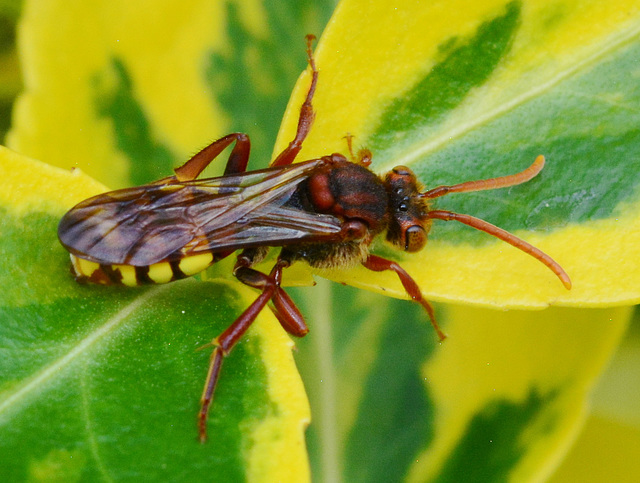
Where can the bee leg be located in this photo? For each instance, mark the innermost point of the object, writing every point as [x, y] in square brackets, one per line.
[285, 311]
[288, 314]
[223, 345]
[379, 264]
[283, 307]
[237, 162]
[306, 115]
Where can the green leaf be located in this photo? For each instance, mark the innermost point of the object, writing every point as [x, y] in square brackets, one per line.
[482, 91]
[144, 92]
[456, 91]
[103, 383]
[10, 79]
[607, 447]
[464, 91]
[501, 398]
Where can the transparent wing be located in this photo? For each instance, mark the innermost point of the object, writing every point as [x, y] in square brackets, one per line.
[169, 219]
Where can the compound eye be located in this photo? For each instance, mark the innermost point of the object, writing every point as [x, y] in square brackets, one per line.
[415, 238]
[403, 171]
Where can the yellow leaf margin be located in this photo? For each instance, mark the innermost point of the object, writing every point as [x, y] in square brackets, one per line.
[391, 42]
[505, 356]
[277, 451]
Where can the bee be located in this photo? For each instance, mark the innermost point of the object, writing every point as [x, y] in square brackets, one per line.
[325, 212]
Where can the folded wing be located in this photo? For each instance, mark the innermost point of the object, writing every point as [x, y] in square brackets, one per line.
[168, 219]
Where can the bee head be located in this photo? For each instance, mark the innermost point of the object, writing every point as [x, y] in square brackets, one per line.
[408, 226]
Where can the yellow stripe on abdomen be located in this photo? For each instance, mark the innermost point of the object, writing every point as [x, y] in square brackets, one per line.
[195, 263]
[161, 272]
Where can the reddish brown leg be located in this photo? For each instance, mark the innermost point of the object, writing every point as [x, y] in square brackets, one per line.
[504, 235]
[306, 115]
[285, 311]
[237, 162]
[288, 314]
[379, 264]
[283, 307]
[223, 345]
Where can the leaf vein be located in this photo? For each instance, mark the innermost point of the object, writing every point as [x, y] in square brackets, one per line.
[54, 369]
[420, 150]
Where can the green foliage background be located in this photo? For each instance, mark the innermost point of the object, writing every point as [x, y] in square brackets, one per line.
[104, 384]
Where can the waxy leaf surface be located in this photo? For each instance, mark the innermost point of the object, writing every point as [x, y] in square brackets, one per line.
[456, 91]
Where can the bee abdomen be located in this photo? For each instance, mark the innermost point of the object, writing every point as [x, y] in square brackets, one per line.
[162, 272]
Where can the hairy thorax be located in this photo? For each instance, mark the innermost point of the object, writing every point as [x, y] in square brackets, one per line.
[329, 255]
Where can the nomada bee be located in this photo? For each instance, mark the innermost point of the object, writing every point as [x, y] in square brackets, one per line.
[324, 211]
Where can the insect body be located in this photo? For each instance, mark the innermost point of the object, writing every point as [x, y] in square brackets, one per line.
[323, 211]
